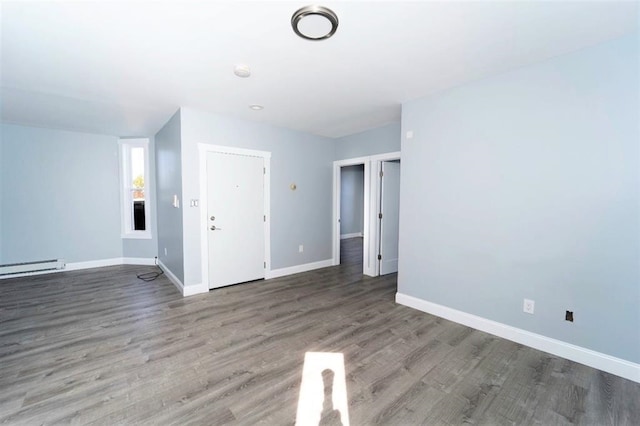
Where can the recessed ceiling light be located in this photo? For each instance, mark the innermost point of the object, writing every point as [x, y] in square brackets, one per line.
[314, 22]
[256, 107]
[242, 70]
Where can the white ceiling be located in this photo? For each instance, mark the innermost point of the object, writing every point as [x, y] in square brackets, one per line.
[123, 68]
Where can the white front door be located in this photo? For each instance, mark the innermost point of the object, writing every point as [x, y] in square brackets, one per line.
[390, 216]
[235, 218]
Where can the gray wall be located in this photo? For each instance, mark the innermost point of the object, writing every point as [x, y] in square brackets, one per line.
[297, 217]
[168, 153]
[352, 199]
[526, 185]
[375, 141]
[60, 195]
[1, 196]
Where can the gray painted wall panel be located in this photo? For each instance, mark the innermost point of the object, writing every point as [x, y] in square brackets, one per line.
[2, 191]
[60, 195]
[169, 182]
[370, 142]
[526, 185]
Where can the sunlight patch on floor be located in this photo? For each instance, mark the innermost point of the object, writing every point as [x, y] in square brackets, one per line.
[323, 392]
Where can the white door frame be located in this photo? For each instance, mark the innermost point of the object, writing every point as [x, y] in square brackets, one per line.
[371, 234]
[203, 150]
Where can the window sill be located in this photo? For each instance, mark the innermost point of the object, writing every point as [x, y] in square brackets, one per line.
[140, 235]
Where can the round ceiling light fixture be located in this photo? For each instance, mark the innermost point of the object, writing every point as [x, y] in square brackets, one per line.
[256, 107]
[314, 22]
[242, 70]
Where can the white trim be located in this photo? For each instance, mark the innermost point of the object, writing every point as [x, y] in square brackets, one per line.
[137, 235]
[203, 149]
[138, 261]
[619, 367]
[185, 291]
[127, 231]
[76, 266]
[387, 156]
[353, 235]
[371, 238]
[276, 273]
[174, 280]
[193, 289]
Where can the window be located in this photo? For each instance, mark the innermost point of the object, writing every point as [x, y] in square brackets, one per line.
[134, 161]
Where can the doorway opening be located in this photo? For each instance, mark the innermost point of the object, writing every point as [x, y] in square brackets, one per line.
[351, 213]
[372, 198]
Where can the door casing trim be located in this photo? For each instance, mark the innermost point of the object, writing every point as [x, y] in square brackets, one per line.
[371, 240]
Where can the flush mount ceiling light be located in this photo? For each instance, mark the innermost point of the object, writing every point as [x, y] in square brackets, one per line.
[314, 22]
[256, 107]
[242, 70]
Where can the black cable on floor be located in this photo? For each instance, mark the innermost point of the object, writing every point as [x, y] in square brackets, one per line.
[150, 276]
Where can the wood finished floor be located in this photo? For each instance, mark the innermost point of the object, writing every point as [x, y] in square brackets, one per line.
[102, 347]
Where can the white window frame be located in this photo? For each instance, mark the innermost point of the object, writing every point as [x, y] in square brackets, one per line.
[126, 204]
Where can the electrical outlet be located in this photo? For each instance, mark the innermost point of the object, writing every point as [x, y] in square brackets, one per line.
[300, 248]
[528, 306]
[568, 316]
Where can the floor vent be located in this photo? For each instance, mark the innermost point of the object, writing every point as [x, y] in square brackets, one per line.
[41, 265]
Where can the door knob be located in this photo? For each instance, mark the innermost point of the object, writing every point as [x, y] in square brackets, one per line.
[214, 228]
[213, 218]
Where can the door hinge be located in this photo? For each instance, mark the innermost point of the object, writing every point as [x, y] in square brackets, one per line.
[379, 257]
[379, 215]
[381, 173]
[264, 170]
[264, 218]
[265, 265]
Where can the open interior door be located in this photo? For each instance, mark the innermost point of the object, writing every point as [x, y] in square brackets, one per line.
[389, 216]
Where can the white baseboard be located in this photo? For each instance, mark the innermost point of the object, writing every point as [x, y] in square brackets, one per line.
[275, 273]
[185, 290]
[75, 266]
[619, 367]
[193, 289]
[354, 235]
[138, 261]
[190, 290]
[176, 282]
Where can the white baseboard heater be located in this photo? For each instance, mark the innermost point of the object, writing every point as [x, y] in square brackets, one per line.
[25, 267]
